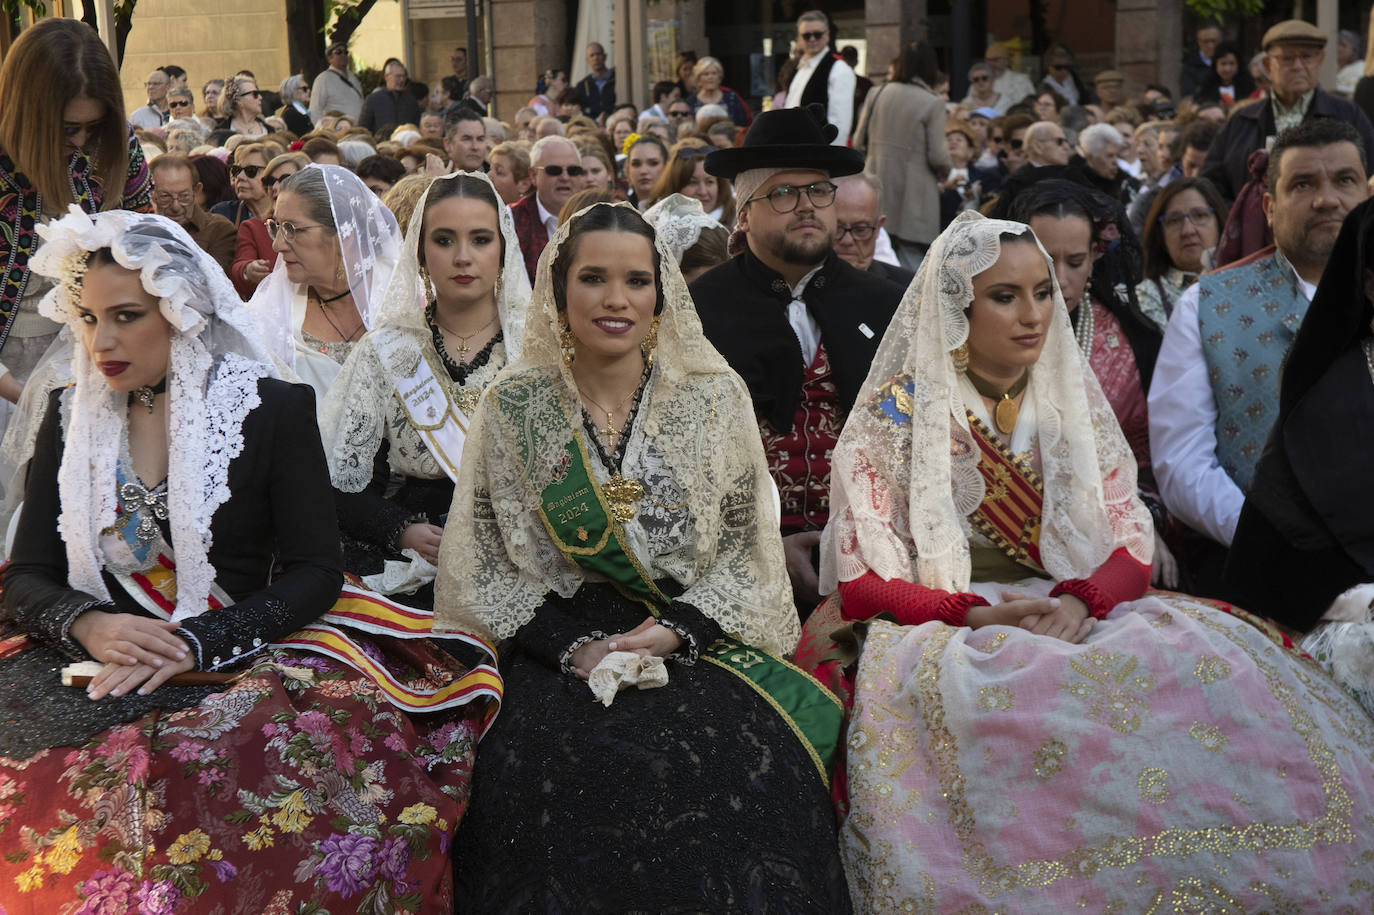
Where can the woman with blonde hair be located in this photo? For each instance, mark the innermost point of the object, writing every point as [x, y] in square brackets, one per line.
[709, 73]
[686, 174]
[240, 108]
[63, 140]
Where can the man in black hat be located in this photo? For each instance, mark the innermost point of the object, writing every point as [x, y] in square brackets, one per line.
[799, 324]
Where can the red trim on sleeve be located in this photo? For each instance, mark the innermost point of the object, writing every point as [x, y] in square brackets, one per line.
[1120, 578]
[911, 604]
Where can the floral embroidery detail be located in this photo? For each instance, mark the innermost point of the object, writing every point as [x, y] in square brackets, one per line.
[1114, 688]
[1210, 736]
[1154, 785]
[1211, 668]
[1049, 759]
[995, 699]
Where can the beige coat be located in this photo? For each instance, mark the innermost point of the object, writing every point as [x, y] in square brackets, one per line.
[902, 134]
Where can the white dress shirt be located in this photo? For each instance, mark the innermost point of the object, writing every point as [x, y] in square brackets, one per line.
[1183, 428]
[840, 93]
[550, 220]
[803, 325]
[883, 251]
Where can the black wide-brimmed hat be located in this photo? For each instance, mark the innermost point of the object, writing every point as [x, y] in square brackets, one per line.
[788, 138]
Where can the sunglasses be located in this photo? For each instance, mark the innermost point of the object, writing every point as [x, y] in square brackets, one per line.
[1017, 144]
[178, 103]
[270, 181]
[251, 171]
[680, 114]
[812, 36]
[254, 92]
[556, 171]
[979, 79]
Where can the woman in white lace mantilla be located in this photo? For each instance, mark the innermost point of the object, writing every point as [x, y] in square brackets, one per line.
[172, 540]
[614, 504]
[452, 317]
[337, 246]
[1021, 710]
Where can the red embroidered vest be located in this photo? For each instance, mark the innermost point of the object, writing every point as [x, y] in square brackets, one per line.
[800, 460]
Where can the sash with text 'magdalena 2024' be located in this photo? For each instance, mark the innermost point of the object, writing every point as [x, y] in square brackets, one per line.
[576, 513]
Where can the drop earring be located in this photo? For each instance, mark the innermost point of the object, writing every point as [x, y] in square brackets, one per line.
[567, 342]
[650, 343]
[960, 357]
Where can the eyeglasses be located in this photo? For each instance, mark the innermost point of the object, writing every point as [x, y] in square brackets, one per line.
[288, 230]
[1197, 217]
[1306, 58]
[178, 103]
[680, 113]
[785, 197]
[253, 92]
[1017, 144]
[1059, 66]
[556, 171]
[980, 79]
[166, 198]
[270, 181]
[861, 232]
[250, 170]
[812, 36]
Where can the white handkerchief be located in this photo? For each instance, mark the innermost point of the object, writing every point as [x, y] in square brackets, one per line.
[620, 669]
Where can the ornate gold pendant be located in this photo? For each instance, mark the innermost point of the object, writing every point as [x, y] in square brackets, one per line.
[1006, 414]
[621, 495]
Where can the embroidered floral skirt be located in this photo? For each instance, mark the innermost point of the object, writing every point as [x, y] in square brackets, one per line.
[1180, 759]
[297, 789]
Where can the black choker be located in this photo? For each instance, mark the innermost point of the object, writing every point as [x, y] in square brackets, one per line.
[145, 394]
[1007, 411]
[336, 298]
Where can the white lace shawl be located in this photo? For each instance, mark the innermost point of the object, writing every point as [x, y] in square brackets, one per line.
[678, 220]
[362, 407]
[694, 442]
[902, 494]
[217, 360]
[370, 243]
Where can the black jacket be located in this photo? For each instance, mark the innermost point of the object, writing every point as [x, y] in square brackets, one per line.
[899, 275]
[1248, 128]
[743, 309]
[385, 110]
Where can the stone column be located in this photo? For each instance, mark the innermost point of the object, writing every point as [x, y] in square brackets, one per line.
[891, 24]
[1149, 42]
[527, 36]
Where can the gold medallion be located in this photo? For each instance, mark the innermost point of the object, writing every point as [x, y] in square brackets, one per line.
[1006, 414]
[621, 495]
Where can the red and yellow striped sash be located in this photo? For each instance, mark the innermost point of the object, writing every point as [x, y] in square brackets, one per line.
[1009, 515]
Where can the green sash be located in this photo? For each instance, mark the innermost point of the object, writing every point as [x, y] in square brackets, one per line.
[576, 513]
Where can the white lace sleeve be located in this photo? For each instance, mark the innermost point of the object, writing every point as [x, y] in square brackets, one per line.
[353, 418]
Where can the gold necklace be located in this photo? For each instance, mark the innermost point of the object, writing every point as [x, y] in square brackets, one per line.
[1007, 410]
[463, 341]
[610, 431]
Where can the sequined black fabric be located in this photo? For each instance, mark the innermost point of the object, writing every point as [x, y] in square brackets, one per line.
[695, 797]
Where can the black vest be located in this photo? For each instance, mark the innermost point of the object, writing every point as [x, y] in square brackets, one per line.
[818, 86]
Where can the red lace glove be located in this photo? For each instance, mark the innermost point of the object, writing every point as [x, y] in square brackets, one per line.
[1120, 578]
[910, 604]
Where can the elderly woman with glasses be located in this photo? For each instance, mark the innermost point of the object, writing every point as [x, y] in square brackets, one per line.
[245, 177]
[254, 256]
[337, 247]
[240, 108]
[980, 91]
[686, 174]
[181, 106]
[295, 110]
[1181, 233]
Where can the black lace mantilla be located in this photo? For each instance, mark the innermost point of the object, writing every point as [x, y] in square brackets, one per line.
[459, 371]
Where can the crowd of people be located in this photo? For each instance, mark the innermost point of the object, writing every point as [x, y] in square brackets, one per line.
[687, 507]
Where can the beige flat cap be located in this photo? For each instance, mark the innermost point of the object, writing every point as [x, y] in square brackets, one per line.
[1109, 76]
[1294, 31]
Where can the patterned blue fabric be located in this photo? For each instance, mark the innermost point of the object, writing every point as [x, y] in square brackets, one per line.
[1247, 317]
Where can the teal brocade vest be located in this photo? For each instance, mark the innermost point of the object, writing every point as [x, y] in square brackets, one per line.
[1248, 316]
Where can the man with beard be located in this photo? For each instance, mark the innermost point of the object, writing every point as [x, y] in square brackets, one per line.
[1215, 390]
[797, 322]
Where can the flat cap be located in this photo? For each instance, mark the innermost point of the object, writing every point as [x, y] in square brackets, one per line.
[1294, 31]
[1109, 76]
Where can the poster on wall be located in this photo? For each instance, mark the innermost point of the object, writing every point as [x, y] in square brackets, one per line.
[662, 49]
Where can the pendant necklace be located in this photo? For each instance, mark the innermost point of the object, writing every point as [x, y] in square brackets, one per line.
[1007, 410]
[345, 338]
[463, 341]
[611, 432]
[146, 394]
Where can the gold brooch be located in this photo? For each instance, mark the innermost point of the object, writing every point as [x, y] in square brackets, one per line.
[621, 495]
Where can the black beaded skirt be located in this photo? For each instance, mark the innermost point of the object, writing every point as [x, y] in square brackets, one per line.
[693, 797]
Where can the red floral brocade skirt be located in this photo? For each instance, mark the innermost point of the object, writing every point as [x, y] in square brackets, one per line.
[299, 788]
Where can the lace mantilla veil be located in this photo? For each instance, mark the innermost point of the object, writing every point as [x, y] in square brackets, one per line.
[902, 494]
[498, 562]
[217, 359]
[402, 310]
[370, 241]
[678, 221]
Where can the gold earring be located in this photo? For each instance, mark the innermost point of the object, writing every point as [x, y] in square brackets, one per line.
[960, 356]
[428, 285]
[567, 341]
[650, 343]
